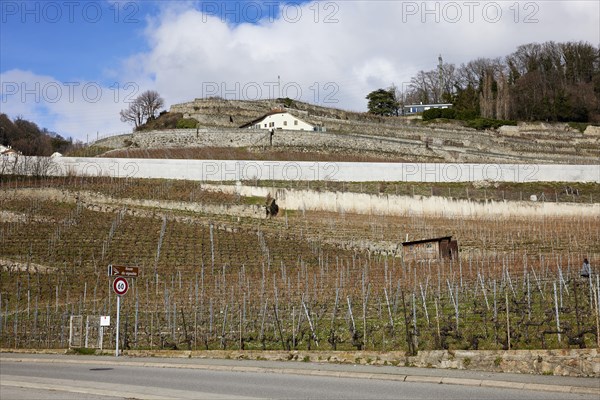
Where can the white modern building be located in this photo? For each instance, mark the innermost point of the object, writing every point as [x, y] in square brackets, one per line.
[278, 119]
[418, 108]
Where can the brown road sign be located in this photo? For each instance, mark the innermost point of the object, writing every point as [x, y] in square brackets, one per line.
[120, 270]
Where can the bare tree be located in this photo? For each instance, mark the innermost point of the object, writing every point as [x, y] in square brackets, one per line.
[150, 102]
[143, 108]
[134, 113]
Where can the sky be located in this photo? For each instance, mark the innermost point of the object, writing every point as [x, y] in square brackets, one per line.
[71, 66]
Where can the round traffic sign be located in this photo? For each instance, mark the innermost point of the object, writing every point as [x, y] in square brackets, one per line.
[120, 286]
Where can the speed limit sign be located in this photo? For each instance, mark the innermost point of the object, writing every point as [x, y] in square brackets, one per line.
[120, 286]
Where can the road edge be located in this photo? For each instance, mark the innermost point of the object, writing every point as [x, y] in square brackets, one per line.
[333, 374]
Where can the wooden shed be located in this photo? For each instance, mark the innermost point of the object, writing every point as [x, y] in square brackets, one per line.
[431, 249]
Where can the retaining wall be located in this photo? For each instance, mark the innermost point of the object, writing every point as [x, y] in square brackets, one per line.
[571, 362]
[388, 204]
[231, 170]
[417, 143]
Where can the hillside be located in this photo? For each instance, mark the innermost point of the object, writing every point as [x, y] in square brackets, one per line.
[215, 274]
[350, 137]
[233, 113]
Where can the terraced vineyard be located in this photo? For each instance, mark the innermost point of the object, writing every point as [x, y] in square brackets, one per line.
[212, 279]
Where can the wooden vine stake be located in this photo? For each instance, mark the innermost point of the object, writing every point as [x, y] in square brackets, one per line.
[507, 320]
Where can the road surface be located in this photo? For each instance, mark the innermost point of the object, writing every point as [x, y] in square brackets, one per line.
[95, 378]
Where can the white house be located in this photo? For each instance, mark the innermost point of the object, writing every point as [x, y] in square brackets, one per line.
[8, 151]
[417, 108]
[278, 119]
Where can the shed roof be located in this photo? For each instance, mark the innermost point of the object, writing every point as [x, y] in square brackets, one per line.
[439, 239]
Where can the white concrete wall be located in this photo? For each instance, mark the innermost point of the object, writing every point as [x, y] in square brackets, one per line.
[362, 203]
[230, 170]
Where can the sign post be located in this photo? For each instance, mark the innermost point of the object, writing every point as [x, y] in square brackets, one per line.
[120, 286]
[118, 312]
[104, 321]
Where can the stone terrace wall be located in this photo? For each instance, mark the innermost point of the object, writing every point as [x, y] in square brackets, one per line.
[572, 362]
[115, 142]
[421, 144]
[219, 137]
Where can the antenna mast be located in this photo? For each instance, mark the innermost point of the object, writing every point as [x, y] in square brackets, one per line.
[441, 77]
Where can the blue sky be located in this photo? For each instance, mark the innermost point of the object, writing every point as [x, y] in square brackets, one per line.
[84, 40]
[71, 66]
[70, 41]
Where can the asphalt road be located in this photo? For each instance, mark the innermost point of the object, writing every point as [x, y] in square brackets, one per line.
[111, 378]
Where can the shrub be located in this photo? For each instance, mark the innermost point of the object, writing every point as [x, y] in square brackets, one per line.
[580, 126]
[466, 115]
[487, 123]
[448, 113]
[288, 102]
[432, 113]
[165, 120]
[187, 123]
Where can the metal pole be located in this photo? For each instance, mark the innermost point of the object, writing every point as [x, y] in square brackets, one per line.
[118, 315]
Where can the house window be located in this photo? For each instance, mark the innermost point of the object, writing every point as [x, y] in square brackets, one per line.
[295, 122]
[284, 123]
[265, 125]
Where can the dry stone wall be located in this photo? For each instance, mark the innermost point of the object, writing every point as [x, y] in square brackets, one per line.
[219, 137]
[572, 362]
[115, 142]
[419, 144]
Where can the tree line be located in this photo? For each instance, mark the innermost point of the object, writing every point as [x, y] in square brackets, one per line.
[31, 140]
[543, 82]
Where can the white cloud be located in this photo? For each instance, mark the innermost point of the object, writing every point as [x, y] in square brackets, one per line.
[373, 44]
[77, 108]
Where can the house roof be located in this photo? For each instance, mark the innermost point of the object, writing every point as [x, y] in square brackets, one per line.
[439, 239]
[272, 112]
[428, 105]
[8, 150]
[259, 119]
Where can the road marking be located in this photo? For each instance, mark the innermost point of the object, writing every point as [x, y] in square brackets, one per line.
[111, 389]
